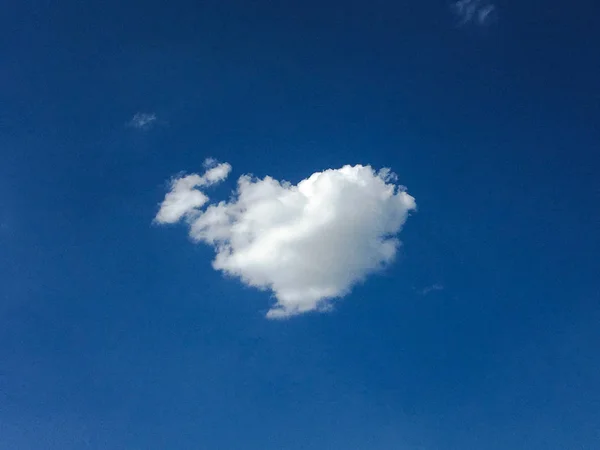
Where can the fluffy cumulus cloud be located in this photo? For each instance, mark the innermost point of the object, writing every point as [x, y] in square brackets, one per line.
[480, 12]
[307, 243]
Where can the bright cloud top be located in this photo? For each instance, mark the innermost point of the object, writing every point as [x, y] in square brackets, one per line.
[307, 243]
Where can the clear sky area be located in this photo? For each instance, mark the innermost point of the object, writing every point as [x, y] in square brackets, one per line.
[299, 225]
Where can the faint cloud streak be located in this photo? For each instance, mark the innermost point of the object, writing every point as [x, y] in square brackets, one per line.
[429, 289]
[143, 121]
[478, 12]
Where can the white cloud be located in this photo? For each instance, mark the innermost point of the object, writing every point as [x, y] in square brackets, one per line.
[143, 121]
[215, 172]
[479, 12]
[184, 198]
[307, 243]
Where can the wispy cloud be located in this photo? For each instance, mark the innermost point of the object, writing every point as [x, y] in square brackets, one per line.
[307, 243]
[143, 121]
[184, 197]
[429, 289]
[479, 12]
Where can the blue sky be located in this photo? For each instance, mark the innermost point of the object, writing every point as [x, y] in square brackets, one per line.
[117, 333]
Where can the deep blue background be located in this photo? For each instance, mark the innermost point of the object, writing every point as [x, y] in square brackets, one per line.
[116, 334]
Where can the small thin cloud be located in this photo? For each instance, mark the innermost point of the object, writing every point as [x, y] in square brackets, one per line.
[307, 243]
[183, 196]
[429, 289]
[143, 121]
[478, 12]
